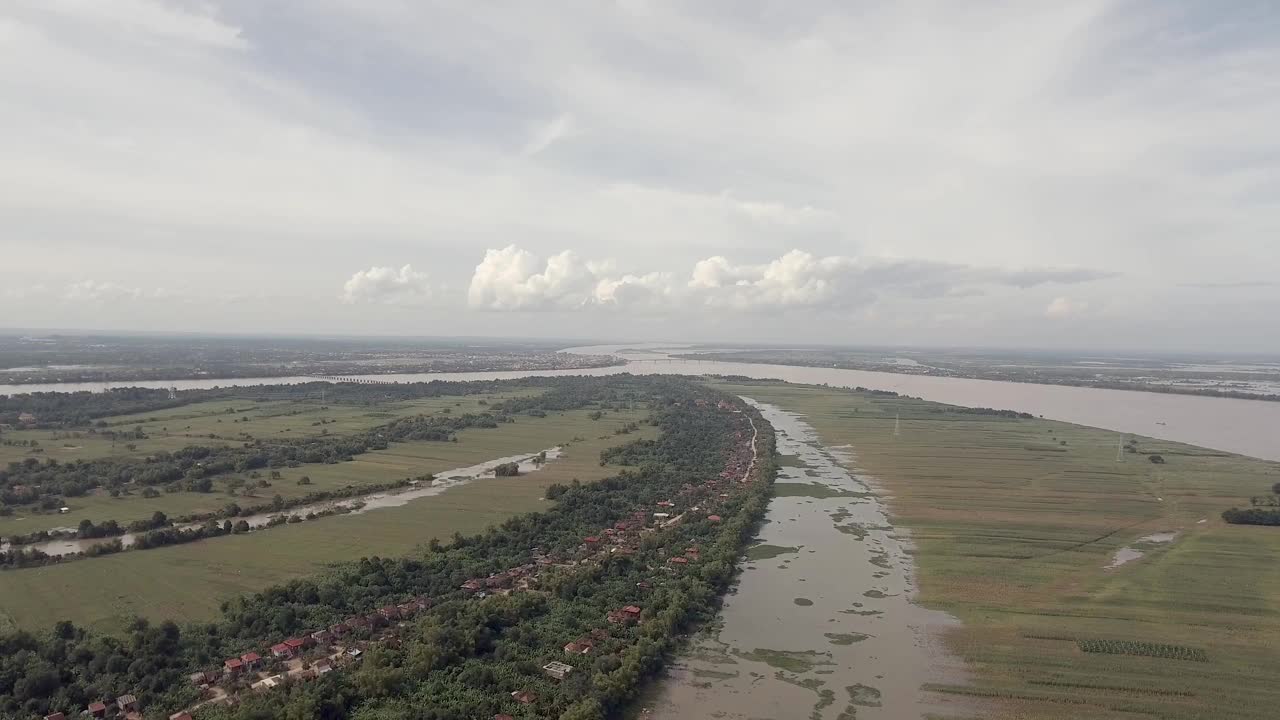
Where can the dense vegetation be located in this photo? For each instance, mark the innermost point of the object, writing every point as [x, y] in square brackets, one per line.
[1264, 510]
[463, 657]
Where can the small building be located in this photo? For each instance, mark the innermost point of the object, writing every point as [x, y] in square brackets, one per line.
[281, 650]
[473, 585]
[204, 677]
[666, 504]
[644, 585]
[579, 647]
[677, 560]
[557, 669]
[591, 540]
[296, 646]
[661, 516]
[250, 660]
[55, 716]
[408, 610]
[98, 709]
[631, 612]
[322, 666]
[322, 637]
[713, 518]
[127, 703]
[233, 666]
[355, 653]
[64, 510]
[524, 697]
[390, 612]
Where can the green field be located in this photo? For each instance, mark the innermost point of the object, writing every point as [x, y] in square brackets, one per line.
[266, 420]
[1016, 519]
[188, 582]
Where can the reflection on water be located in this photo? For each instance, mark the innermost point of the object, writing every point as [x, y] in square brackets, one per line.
[821, 623]
[1249, 427]
[1130, 553]
[353, 505]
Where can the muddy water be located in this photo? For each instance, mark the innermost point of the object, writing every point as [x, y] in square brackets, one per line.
[1129, 553]
[359, 504]
[1248, 427]
[821, 623]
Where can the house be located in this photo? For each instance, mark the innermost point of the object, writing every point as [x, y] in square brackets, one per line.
[26, 418]
[473, 585]
[692, 553]
[280, 650]
[557, 669]
[661, 516]
[322, 666]
[390, 612]
[250, 660]
[677, 560]
[339, 629]
[631, 612]
[666, 504]
[408, 610]
[98, 709]
[127, 703]
[713, 518]
[524, 697]
[296, 646]
[184, 715]
[581, 646]
[204, 677]
[322, 637]
[233, 666]
[591, 540]
[55, 716]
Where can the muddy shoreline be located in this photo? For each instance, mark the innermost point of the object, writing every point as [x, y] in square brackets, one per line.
[821, 623]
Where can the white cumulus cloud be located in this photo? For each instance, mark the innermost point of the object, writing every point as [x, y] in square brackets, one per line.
[387, 285]
[1063, 307]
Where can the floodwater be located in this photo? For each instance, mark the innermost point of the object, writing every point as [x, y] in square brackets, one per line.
[1248, 427]
[1129, 553]
[821, 623]
[373, 501]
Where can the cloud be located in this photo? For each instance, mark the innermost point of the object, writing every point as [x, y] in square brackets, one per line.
[388, 286]
[515, 279]
[1063, 307]
[545, 136]
[98, 291]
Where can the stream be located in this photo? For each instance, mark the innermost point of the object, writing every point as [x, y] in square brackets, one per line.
[821, 622]
[373, 501]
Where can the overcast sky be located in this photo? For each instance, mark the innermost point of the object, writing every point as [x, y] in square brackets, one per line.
[1040, 174]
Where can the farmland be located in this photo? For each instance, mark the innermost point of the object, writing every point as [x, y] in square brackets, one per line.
[226, 422]
[189, 582]
[1016, 519]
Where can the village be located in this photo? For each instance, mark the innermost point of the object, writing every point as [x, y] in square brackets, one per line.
[311, 655]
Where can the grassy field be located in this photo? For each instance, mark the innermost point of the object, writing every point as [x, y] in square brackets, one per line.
[190, 581]
[222, 421]
[1015, 521]
[268, 420]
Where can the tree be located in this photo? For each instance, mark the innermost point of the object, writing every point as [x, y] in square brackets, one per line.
[304, 480]
[507, 469]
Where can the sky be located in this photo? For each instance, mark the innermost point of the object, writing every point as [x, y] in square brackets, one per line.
[1091, 174]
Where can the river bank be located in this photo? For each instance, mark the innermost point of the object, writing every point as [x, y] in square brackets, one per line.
[1247, 427]
[822, 622]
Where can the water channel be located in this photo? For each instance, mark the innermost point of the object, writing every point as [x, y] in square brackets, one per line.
[821, 623]
[353, 505]
[1248, 427]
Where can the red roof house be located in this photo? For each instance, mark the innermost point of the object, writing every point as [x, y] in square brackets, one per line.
[713, 518]
[677, 560]
[98, 708]
[233, 665]
[250, 659]
[280, 650]
[524, 697]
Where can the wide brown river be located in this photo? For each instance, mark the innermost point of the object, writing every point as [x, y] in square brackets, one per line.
[1248, 427]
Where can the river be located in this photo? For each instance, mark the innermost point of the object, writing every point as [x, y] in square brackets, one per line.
[1248, 427]
[821, 623]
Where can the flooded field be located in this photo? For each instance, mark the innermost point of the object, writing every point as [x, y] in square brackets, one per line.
[1129, 553]
[351, 506]
[821, 623]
